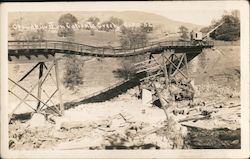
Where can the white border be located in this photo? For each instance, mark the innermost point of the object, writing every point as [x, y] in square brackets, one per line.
[243, 6]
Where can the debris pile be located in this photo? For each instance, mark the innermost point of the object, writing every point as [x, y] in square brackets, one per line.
[185, 120]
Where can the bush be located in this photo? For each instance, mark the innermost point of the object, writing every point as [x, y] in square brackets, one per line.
[228, 31]
[133, 37]
[73, 76]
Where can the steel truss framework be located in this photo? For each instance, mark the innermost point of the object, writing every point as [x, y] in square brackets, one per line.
[42, 77]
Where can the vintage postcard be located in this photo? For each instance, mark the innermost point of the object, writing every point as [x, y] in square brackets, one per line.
[125, 79]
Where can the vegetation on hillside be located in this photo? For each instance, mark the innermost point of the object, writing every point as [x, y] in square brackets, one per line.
[94, 20]
[73, 76]
[116, 21]
[133, 37]
[229, 30]
[65, 23]
[184, 32]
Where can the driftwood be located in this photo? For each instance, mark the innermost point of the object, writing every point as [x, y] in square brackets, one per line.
[237, 105]
[73, 125]
[194, 118]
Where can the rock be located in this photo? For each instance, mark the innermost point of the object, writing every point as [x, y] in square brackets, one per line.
[151, 138]
[146, 97]
[72, 125]
[59, 122]
[117, 123]
[37, 120]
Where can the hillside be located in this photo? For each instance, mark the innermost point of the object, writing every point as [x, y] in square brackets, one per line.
[127, 16]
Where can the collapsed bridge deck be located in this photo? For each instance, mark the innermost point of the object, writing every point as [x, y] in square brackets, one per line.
[47, 48]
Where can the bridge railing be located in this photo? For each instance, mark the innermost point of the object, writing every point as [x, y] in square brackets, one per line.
[77, 47]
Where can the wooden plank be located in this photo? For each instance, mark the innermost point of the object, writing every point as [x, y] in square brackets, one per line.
[59, 87]
[178, 66]
[170, 58]
[195, 118]
[165, 70]
[186, 64]
[161, 100]
[39, 93]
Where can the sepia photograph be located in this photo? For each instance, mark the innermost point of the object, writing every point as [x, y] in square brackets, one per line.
[101, 76]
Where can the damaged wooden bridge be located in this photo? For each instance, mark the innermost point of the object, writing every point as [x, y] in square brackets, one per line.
[48, 48]
[174, 55]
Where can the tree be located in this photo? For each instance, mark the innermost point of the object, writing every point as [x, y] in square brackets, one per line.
[65, 22]
[94, 20]
[132, 37]
[184, 32]
[235, 13]
[116, 21]
[229, 30]
[73, 76]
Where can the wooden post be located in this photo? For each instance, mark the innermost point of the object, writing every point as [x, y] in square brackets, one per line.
[165, 69]
[39, 92]
[161, 100]
[186, 64]
[171, 65]
[179, 65]
[59, 87]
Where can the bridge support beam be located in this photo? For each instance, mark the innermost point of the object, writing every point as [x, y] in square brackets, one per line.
[176, 63]
[169, 64]
[39, 93]
[43, 76]
[58, 85]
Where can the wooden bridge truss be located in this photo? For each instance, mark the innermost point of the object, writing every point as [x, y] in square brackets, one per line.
[168, 64]
[44, 73]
